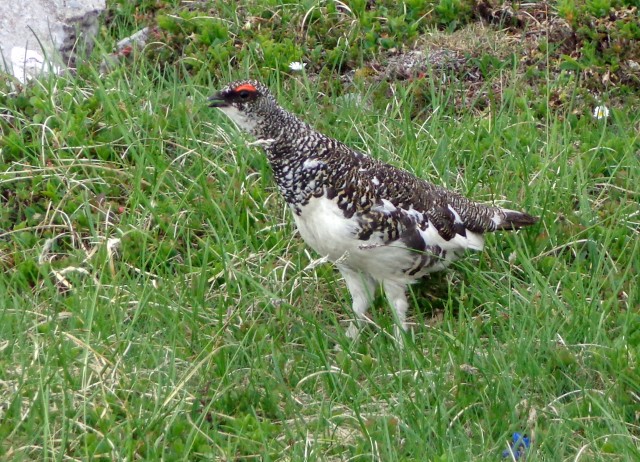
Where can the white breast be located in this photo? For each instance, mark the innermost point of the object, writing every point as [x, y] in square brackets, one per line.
[325, 229]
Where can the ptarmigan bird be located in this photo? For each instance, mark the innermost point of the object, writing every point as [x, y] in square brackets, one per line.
[378, 223]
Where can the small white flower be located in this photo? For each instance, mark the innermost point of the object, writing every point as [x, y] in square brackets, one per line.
[297, 66]
[601, 112]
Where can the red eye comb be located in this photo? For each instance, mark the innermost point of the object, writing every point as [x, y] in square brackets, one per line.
[246, 87]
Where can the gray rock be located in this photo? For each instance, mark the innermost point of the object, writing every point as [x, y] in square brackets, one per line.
[46, 35]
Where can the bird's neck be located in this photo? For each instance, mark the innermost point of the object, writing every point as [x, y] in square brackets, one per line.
[279, 125]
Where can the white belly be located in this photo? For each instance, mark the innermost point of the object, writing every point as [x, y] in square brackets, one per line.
[325, 229]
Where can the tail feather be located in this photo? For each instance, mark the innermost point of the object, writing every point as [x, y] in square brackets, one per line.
[512, 219]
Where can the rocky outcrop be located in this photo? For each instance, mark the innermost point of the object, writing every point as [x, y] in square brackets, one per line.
[46, 35]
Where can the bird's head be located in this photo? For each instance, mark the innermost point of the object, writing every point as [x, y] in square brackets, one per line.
[248, 103]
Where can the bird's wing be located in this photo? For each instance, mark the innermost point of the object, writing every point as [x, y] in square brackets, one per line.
[437, 227]
[393, 205]
[450, 212]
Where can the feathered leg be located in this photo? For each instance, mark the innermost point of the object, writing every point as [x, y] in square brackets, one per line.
[397, 295]
[362, 289]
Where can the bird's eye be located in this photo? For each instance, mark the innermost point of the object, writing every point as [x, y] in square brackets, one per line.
[244, 94]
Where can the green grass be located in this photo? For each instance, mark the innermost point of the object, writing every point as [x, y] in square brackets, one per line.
[156, 303]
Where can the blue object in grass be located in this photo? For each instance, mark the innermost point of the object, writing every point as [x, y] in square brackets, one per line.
[519, 445]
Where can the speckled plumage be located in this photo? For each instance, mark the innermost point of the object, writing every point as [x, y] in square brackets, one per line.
[378, 223]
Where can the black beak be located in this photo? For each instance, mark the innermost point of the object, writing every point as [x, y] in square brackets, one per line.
[217, 100]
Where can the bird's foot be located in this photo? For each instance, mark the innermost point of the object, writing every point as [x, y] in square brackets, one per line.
[353, 331]
[399, 333]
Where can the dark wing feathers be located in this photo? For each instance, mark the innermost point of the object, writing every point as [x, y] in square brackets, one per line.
[449, 212]
[406, 191]
[443, 220]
